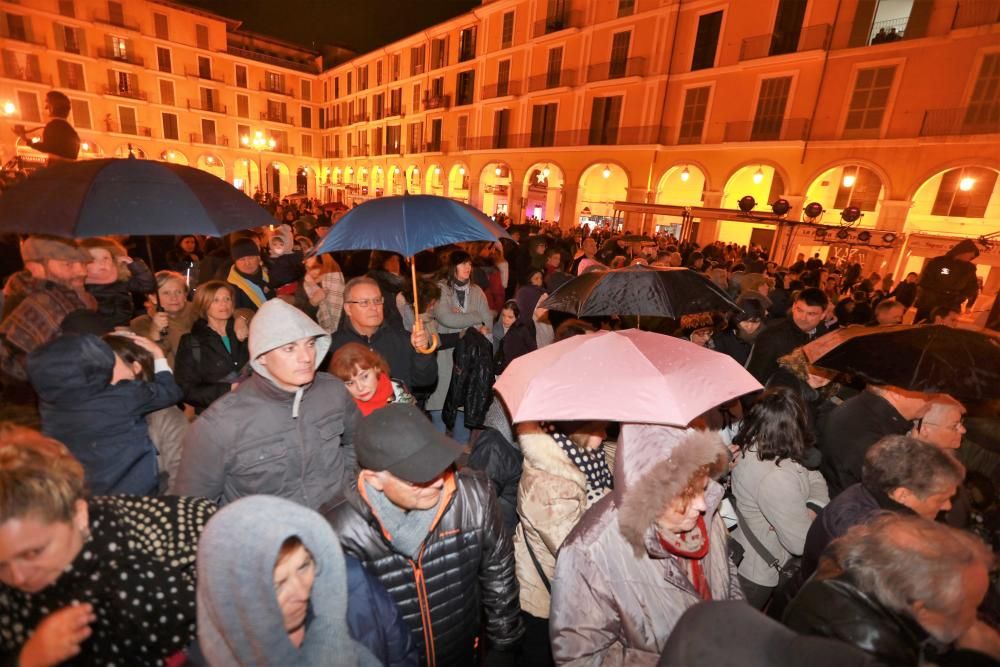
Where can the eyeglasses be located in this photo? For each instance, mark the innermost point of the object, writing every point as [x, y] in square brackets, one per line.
[957, 426]
[367, 303]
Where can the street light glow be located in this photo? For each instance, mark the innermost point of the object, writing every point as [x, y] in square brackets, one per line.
[498, 170]
[966, 184]
[685, 174]
[9, 108]
[758, 175]
[607, 172]
[849, 180]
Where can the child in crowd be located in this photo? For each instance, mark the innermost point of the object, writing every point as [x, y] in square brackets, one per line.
[113, 278]
[284, 263]
[366, 375]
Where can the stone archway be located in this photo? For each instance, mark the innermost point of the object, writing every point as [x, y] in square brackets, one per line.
[601, 185]
[542, 192]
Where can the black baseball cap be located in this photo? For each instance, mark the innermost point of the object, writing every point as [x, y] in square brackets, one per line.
[400, 439]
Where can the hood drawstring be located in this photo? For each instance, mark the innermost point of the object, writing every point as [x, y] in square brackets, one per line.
[296, 402]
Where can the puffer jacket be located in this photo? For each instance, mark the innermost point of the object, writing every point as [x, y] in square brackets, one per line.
[617, 592]
[551, 499]
[465, 569]
[472, 380]
[500, 459]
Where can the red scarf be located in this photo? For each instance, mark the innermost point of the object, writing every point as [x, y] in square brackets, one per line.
[693, 558]
[382, 396]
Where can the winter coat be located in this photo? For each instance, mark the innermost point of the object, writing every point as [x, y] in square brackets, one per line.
[180, 324]
[413, 369]
[389, 639]
[772, 500]
[849, 431]
[284, 269]
[774, 342]
[517, 341]
[617, 593]
[946, 281]
[205, 369]
[501, 460]
[115, 303]
[465, 571]
[905, 293]
[137, 568]
[728, 342]
[101, 423]
[551, 500]
[167, 428]
[471, 385]
[476, 313]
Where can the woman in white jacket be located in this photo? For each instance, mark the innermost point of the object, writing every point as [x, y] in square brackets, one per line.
[776, 494]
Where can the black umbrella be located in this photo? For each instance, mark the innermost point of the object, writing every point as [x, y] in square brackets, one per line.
[931, 358]
[126, 196]
[639, 290]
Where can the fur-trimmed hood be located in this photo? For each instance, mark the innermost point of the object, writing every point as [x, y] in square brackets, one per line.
[653, 465]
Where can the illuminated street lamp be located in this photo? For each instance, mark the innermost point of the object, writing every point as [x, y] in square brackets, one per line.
[758, 175]
[259, 143]
[685, 174]
[9, 108]
[966, 184]
[607, 171]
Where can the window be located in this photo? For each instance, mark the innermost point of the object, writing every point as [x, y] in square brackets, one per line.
[201, 35]
[395, 101]
[503, 78]
[543, 124]
[208, 131]
[116, 14]
[415, 138]
[378, 77]
[501, 127]
[467, 44]
[706, 42]
[243, 106]
[307, 145]
[378, 140]
[437, 87]
[626, 7]
[554, 69]
[349, 80]
[305, 115]
[955, 202]
[868, 102]
[123, 83]
[416, 96]
[66, 8]
[170, 127]
[465, 87]
[984, 104]
[392, 137]
[242, 131]
[787, 26]
[16, 27]
[507, 31]
[163, 59]
[363, 78]
[204, 67]
[276, 111]
[336, 88]
[241, 76]
[435, 142]
[417, 60]
[119, 48]
[209, 100]
[127, 120]
[274, 82]
[770, 109]
[21, 66]
[439, 52]
[693, 115]
[305, 90]
[69, 39]
[71, 75]
[81, 114]
[863, 192]
[462, 132]
[167, 92]
[619, 55]
[160, 28]
[394, 65]
[604, 117]
[378, 106]
[28, 104]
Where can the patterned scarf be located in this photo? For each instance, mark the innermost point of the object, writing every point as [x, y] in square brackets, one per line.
[591, 463]
[253, 291]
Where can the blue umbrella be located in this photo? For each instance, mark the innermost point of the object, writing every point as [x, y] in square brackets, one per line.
[126, 196]
[408, 224]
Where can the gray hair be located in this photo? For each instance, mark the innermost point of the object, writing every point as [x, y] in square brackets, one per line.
[360, 280]
[900, 559]
[899, 461]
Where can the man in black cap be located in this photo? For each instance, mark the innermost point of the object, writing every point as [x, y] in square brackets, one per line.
[948, 280]
[248, 275]
[434, 537]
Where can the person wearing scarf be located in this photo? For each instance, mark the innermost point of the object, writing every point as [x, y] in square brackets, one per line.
[248, 275]
[366, 375]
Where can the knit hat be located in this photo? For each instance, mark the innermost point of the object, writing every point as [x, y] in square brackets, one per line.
[40, 247]
[244, 248]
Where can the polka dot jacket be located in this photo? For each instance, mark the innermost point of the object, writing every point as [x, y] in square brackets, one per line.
[137, 568]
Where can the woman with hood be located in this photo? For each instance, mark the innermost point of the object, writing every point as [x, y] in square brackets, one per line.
[646, 552]
[91, 401]
[292, 598]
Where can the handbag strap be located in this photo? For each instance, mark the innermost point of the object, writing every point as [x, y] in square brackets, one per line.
[538, 566]
[761, 550]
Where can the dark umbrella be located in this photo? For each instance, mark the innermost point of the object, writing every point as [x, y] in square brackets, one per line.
[639, 290]
[930, 358]
[126, 196]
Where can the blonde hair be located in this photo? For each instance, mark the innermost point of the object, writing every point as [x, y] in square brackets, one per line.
[39, 476]
[206, 292]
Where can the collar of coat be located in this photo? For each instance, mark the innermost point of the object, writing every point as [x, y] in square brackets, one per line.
[542, 452]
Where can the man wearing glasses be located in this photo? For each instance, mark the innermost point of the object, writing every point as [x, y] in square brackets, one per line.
[365, 324]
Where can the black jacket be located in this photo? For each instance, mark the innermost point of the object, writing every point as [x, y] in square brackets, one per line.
[465, 571]
[728, 342]
[413, 369]
[115, 303]
[905, 293]
[774, 342]
[205, 369]
[946, 281]
[502, 462]
[848, 432]
[472, 379]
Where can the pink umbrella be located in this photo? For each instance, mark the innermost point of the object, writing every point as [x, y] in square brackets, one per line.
[624, 376]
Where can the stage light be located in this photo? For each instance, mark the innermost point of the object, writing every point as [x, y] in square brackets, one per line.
[843, 234]
[850, 214]
[865, 236]
[746, 203]
[820, 233]
[813, 210]
[780, 206]
[888, 238]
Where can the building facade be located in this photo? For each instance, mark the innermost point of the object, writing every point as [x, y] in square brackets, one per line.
[557, 109]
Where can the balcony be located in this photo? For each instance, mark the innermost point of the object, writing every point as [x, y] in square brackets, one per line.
[623, 136]
[106, 20]
[504, 89]
[308, 66]
[557, 79]
[392, 112]
[134, 130]
[971, 13]
[616, 69]
[210, 106]
[128, 58]
[276, 90]
[436, 102]
[964, 120]
[277, 117]
[72, 47]
[209, 139]
[31, 74]
[563, 21]
[357, 118]
[131, 93]
[889, 30]
[330, 153]
[780, 129]
[23, 36]
[774, 44]
[195, 74]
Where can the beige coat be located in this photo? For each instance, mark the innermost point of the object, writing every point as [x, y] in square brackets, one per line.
[180, 324]
[551, 499]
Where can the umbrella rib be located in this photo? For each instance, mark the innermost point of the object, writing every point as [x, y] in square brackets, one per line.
[406, 235]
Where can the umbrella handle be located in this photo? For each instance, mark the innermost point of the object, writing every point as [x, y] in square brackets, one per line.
[418, 326]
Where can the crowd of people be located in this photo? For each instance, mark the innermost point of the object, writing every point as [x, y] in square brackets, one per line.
[258, 456]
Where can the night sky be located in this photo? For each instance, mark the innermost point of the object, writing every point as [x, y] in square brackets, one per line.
[360, 25]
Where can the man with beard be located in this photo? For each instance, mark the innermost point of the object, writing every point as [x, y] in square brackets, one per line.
[737, 340]
[37, 300]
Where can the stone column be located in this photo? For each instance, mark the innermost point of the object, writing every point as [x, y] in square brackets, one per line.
[892, 218]
[567, 210]
[708, 230]
[633, 221]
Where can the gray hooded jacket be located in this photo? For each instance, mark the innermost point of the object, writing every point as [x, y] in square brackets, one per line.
[262, 439]
[617, 593]
[239, 619]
